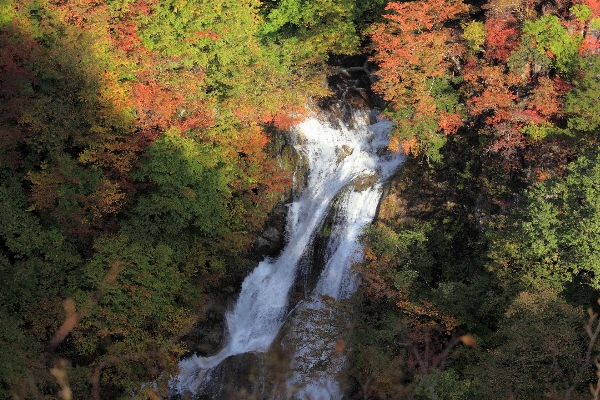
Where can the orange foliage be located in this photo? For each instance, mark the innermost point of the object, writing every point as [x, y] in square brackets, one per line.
[377, 280]
[502, 36]
[142, 6]
[286, 117]
[81, 12]
[495, 94]
[589, 46]
[449, 123]
[156, 105]
[542, 175]
[414, 39]
[250, 141]
[417, 16]
[545, 99]
[394, 144]
[208, 34]
[413, 48]
[125, 36]
[594, 5]
[106, 199]
[410, 146]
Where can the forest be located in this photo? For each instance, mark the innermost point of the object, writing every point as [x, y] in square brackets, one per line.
[140, 156]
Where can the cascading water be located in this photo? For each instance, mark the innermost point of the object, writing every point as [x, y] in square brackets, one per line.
[345, 165]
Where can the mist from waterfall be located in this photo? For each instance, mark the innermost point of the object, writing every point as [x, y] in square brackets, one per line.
[350, 166]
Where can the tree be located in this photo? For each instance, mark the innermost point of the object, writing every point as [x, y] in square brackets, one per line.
[113, 116]
[502, 33]
[554, 40]
[34, 267]
[414, 51]
[552, 238]
[143, 300]
[581, 103]
[320, 25]
[537, 350]
[501, 239]
[189, 195]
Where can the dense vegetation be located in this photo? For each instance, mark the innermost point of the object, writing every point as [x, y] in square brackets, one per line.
[135, 171]
[484, 258]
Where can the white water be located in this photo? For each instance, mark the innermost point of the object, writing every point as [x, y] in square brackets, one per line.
[336, 158]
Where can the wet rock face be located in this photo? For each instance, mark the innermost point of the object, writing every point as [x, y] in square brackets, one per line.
[249, 376]
[272, 239]
[208, 334]
[237, 377]
[313, 343]
[364, 182]
[343, 152]
[350, 84]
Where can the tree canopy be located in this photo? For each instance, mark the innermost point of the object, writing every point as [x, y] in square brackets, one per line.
[135, 172]
[490, 231]
[137, 167]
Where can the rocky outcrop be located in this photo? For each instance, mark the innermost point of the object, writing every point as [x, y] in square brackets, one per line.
[350, 84]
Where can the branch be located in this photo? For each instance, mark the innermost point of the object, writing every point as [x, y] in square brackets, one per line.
[156, 353]
[74, 317]
[596, 389]
[467, 340]
[593, 335]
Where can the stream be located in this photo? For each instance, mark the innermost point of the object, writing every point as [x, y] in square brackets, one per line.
[348, 166]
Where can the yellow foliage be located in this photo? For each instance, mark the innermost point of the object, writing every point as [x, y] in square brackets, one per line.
[474, 33]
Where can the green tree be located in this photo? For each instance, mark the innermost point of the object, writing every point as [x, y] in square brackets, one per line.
[310, 29]
[553, 39]
[35, 264]
[189, 193]
[140, 300]
[553, 236]
[537, 351]
[581, 103]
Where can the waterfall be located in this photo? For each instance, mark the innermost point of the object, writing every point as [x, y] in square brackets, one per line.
[348, 166]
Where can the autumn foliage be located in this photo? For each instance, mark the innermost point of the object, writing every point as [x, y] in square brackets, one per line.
[415, 52]
[501, 99]
[133, 135]
[512, 82]
[135, 171]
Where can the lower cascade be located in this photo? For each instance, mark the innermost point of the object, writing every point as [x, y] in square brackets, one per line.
[348, 165]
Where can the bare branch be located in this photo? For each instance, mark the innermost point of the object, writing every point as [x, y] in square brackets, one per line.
[593, 335]
[74, 317]
[149, 354]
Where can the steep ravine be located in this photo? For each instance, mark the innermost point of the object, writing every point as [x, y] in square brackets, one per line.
[304, 355]
[287, 306]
